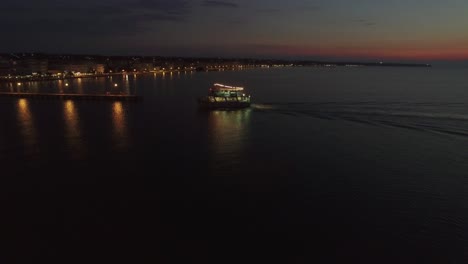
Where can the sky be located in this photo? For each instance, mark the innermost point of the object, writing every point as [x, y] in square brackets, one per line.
[392, 30]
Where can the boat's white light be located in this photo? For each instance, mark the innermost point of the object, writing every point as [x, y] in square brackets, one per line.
[228, 87]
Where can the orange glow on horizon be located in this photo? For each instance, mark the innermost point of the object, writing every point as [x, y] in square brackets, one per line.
[403, 54]
[396, 52]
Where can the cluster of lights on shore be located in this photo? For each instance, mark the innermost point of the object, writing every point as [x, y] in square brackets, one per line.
[164, 70]
[67, 84]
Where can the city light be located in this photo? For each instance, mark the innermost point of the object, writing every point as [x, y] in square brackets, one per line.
[115, 85]
[77, 68]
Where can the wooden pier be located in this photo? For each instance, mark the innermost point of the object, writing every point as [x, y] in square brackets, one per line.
[62, 96]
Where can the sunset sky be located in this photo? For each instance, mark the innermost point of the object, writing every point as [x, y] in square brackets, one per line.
[315, 29]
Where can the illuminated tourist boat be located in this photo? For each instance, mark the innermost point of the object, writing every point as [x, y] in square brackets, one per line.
[224, 96]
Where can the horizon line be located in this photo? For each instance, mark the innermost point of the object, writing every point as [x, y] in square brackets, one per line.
[295, 58]
[307, 58]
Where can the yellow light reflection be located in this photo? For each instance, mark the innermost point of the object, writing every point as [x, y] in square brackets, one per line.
[72, 128]
[80, 86]
[28, 130]
[118, 117]
[23, 105]
[126, 87]
[229, 130]
[60, 86]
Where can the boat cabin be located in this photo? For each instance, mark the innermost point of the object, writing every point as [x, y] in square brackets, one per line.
[224, 96]
[220, 90]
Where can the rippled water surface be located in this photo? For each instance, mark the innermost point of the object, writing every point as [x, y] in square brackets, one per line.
[362, 165]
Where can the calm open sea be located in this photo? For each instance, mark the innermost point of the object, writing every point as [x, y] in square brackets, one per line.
[339, 165]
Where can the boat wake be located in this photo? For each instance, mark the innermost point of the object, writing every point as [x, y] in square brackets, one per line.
[441, 118]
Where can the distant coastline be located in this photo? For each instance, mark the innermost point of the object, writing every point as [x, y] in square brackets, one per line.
[368, 64]
[19, 67]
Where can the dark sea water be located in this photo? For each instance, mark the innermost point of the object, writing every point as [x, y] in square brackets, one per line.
[339, 165]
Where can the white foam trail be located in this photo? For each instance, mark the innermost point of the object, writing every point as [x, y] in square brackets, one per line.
[262, 107]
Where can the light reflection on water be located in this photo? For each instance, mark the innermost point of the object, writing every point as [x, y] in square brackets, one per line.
[72, 129]
[229, 133]
[359, 171]
[119, 125]
[61, 85]
[27, 129]
[79, 86]
[126, 84]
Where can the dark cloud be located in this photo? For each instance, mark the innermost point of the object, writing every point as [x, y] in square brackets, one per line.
[365, 22]
[172, 7]
[234, 22]
[88, 18]
[211, 3]
[159, 17]
[360, 20]
[268, 10]
[293, 9]
[310, 8]
[106, 25]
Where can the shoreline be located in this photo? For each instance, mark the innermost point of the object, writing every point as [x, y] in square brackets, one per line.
[16, 79]
[19, 79]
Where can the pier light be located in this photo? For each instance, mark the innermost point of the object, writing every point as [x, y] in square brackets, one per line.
[66, 84]
[19, 84]
[115, 85]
